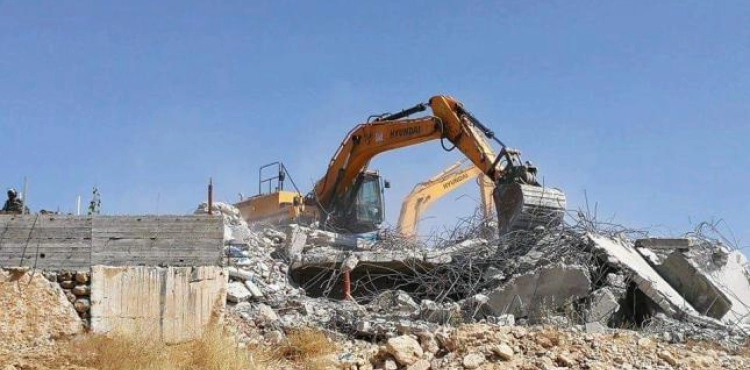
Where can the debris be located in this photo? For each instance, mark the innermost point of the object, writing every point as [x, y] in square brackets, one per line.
[34, 311]
[603, 304]
[396, 300]
[405, 349]
[621, 254]
[296, 239]
[595, 327]
[668, 358]
[419, 365]
[236, 292]
[266, 314]
[694, 285]
[580, 277]
[544, 288]
[503, 351]
[473, 360]
[254, 290]
[664, 243]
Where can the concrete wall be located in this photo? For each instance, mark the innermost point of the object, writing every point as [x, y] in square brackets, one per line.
[173, 303]
[78, 242]
[45, 241]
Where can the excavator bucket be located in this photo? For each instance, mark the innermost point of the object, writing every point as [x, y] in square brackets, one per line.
[524, 207]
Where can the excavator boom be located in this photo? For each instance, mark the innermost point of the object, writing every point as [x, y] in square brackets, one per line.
[347, 197]
[428, 192]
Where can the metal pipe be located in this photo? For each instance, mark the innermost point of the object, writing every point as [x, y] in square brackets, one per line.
[210, 196]
[347, 284]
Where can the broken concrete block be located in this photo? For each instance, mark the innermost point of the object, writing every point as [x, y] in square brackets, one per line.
[296, 239]
[405, 349]
[320, 237]
[622, 255]
[438, 313]
[603, 305]
[254, 290]
[350, 262]
[503, 351]
[239, 274]
[595, 327]
[236, 292]
[682, 274]
[473, 360]
[397, 300]
[476, 306]
[504, 320]
[266, 314]
[715, 283]
[616, 281]
[545, 288]
[652, 257]
[493, 274]
[664, 243]
[274, 234]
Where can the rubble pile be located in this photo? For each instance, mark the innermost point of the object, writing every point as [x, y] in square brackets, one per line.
[483, 346]
[34, 310]
[580, 278]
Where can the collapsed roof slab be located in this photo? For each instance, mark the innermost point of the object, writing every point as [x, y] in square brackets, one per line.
[315, 272]
[665, 243]
[731, 277]
[697, 288]
[546, 288]
[623, 255]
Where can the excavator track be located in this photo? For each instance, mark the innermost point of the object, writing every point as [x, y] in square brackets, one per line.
[524, 207]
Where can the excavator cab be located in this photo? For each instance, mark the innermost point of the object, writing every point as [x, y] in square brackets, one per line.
[365, 210]
[369, 205]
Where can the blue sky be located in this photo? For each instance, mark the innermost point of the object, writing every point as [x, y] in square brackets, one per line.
[642, 106]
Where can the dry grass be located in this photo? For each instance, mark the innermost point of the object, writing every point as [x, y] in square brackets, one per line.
[213, 351]
[308, 348]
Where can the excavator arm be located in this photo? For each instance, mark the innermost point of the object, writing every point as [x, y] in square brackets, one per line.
[450, 123]
[428, 192]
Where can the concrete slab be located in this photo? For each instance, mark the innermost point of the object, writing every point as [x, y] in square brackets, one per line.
[664, 243]
[731, 276]
[685, 276]
[175, 303]
[623, 255]
[603, 305]
[546, 288]
[296, 239]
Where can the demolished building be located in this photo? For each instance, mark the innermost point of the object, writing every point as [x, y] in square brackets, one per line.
[276, 279]
[565, 276]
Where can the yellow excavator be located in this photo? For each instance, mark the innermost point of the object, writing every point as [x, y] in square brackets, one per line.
[349, 197]
[440, 185]
[425, 193]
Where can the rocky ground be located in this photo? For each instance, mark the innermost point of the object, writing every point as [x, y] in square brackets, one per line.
[552, 299]
[475, 346]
